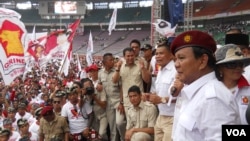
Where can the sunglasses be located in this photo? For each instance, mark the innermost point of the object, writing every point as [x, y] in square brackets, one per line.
[234, 65]
[56, 102]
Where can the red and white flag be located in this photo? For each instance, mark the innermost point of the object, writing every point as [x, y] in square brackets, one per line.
[36, 45]
[90, 49]
[66, 62]
[58, 43]
[67, 57]
[112, 22]
[13, 39]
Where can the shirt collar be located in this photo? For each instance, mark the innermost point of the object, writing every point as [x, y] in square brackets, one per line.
[140, 106]
[168, 66]
[190, 90]
[111, 70]
[242, 82]
[128, 65]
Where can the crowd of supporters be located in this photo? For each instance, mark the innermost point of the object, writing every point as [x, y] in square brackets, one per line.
[174, 92]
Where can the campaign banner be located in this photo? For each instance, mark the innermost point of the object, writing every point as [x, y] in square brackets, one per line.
[13, 36]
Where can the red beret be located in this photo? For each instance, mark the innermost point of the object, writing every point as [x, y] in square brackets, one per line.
[93, 67]
[193, 38]
[47, 110]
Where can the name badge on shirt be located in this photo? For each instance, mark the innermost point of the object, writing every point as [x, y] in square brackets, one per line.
[245, 100]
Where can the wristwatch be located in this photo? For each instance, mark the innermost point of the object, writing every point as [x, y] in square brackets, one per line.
[163, 100]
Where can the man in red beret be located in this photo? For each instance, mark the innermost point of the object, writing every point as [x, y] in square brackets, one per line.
[52, 126]
[198, 113]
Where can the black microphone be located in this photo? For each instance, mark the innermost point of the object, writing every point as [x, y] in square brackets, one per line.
[172, 90]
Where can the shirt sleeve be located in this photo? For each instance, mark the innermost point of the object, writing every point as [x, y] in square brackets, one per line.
[152, 116]
[129, 125]
[64, 111]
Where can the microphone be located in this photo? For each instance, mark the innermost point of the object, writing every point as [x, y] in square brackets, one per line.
[172, 90]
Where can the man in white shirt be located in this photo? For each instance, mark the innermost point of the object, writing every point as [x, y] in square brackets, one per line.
[198, 112]
[78, 113]
[21, 113]
[164, 79]
[7, 124]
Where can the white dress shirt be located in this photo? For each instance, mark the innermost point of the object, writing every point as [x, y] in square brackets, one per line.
[201, 110]
[164, 79]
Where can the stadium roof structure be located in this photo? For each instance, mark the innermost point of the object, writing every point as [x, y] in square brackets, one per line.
[36, 1]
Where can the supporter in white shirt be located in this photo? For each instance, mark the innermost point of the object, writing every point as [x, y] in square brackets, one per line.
[78, 112]
[11, 114]
[21, 113]
[7, 124]
[34, 127]
[23, 127]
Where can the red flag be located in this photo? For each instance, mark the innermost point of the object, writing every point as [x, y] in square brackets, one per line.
[52, 41]
[73, 28]
[52, 38]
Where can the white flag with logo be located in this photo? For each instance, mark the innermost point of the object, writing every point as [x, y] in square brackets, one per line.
[90, 50]
[112, 22]
[13, 39]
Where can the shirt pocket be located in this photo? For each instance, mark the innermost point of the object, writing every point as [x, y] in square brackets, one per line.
[163, 86]
[187, 122]
[143, 123]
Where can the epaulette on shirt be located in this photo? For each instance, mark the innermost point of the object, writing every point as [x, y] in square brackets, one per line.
[216, 89]
[210, 91]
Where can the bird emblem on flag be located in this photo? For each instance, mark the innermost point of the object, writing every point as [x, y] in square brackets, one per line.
[164, 28]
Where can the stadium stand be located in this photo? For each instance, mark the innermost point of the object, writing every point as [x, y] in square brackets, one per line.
[240, 5]
[134, 22]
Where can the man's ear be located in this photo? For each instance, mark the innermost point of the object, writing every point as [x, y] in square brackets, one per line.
[203, 61]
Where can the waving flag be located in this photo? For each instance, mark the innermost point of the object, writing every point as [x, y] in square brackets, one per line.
[66, 62]
[164, 28]
[36, 45]
[72, 28]
[90, 49]
[68, 54]
[112, 22]
[12, 43]
[58, 43]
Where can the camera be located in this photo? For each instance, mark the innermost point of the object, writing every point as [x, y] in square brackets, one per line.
[90, 90]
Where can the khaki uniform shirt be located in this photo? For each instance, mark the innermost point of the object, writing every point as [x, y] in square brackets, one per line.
[54, 129]
[130, 76]
[99, 111]
[141, 117]
[111, 89]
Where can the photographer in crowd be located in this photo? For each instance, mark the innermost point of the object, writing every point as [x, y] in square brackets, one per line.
[98, 97]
